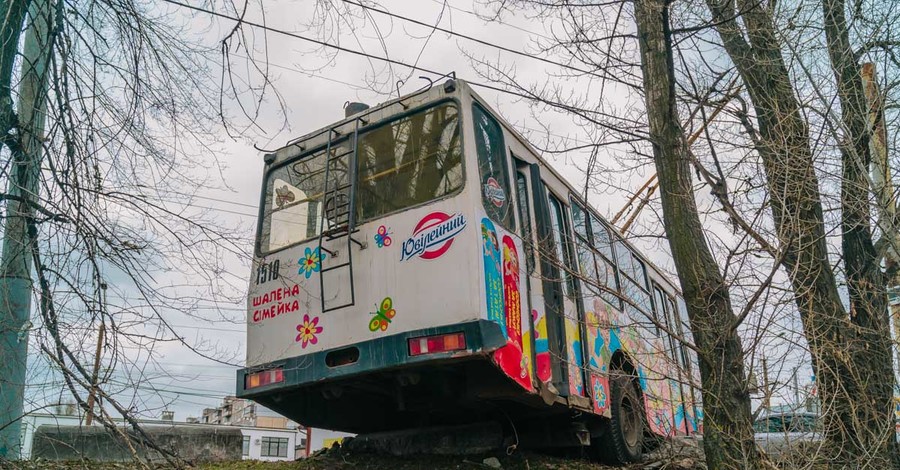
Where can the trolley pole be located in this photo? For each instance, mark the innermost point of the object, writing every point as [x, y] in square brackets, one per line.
[18, 231]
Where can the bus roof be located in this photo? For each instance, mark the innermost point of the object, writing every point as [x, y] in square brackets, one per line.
[436, 92]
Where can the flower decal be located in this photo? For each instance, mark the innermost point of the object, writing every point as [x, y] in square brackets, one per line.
[311, 262]
[308, 331]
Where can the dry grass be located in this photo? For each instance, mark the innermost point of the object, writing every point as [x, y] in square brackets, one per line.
[344, 461]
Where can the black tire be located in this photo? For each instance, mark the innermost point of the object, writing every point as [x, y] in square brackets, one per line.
[624, 443]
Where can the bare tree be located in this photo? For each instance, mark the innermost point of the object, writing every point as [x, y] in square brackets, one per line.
[761, 169]
[728, 434]
[850, 350]
[105, 193]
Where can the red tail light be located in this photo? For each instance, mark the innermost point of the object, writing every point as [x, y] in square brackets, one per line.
[266, 377]
[437, 344]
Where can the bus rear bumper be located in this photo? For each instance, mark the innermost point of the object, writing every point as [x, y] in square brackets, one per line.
[377, 355]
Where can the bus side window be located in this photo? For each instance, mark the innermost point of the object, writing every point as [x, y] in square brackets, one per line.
[561, 244]
[601, 238]
[638, 301]
[606, 266]
[579, 220]
[607, 277]
[674, 321]
[583, 250]
[685, 326]
[493, 168]
[525, 220]
[599, 273]
[659, 313]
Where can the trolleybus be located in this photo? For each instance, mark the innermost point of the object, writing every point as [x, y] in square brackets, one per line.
[418, 263]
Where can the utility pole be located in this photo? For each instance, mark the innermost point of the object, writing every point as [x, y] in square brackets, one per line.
[18, 232]
[884, 191]
[92, 396]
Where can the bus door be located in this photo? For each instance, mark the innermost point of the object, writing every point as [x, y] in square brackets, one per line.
[672, 374]
[539, 354]
[548, 310]
[690, 369]
[557, 285]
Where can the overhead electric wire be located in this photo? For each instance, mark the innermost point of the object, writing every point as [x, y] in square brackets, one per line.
[358, 87]
[298, 36]
[391, 61]
[470, 38]
[496, 20]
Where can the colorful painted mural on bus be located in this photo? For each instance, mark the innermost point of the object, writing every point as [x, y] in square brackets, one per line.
[598, 335]
[526, 345]
[575, 354]
[689, 418]
[503, 291]
[599, 355]
[510, 358]
[493, 279]
[608, 331]
[600, 392]
[541, 346]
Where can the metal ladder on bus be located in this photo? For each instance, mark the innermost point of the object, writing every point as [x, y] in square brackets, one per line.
[338, 212]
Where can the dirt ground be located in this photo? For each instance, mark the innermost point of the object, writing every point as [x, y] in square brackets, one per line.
[522, 461]
[338, 460]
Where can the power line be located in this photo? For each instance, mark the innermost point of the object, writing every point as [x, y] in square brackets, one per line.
[387, 60]
[470, 38]
[214, 199]
[358, 87]
[203, 327]
[302, 38]
[498, 21]
[197, 206]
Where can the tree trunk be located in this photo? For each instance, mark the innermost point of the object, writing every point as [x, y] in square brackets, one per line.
[728, 433]
[10, 31]
[784, 148]
[865, 281]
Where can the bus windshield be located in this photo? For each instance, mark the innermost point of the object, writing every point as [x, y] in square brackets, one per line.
[400, 164]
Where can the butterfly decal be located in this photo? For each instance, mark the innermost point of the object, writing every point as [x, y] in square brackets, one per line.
[383, 315]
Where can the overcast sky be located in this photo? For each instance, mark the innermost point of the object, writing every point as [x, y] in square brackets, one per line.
[314, 86]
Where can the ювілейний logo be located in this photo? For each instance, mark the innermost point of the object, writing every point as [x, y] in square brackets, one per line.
[494, 192]
[433, 236]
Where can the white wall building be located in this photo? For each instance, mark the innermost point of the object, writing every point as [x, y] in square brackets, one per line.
[269, 444]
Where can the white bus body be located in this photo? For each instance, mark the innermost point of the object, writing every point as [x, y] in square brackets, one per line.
[458, 289]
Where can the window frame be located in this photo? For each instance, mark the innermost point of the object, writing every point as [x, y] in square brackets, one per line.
[259, 252]
[589, 217]
[245, 446]
[564, 242]
[645, 286]
[611, 259]
[505, 167]
[526, 229]
[280, 443]
[660, 313]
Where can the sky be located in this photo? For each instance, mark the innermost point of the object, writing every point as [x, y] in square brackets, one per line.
[313, 87]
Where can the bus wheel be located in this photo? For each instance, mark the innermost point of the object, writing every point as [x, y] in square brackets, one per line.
[625, 441]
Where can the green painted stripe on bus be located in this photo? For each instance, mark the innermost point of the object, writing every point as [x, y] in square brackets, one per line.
[376, 355]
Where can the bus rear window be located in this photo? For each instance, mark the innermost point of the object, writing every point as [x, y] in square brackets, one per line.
[400, 164]
[412, 160]
[292, 209]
